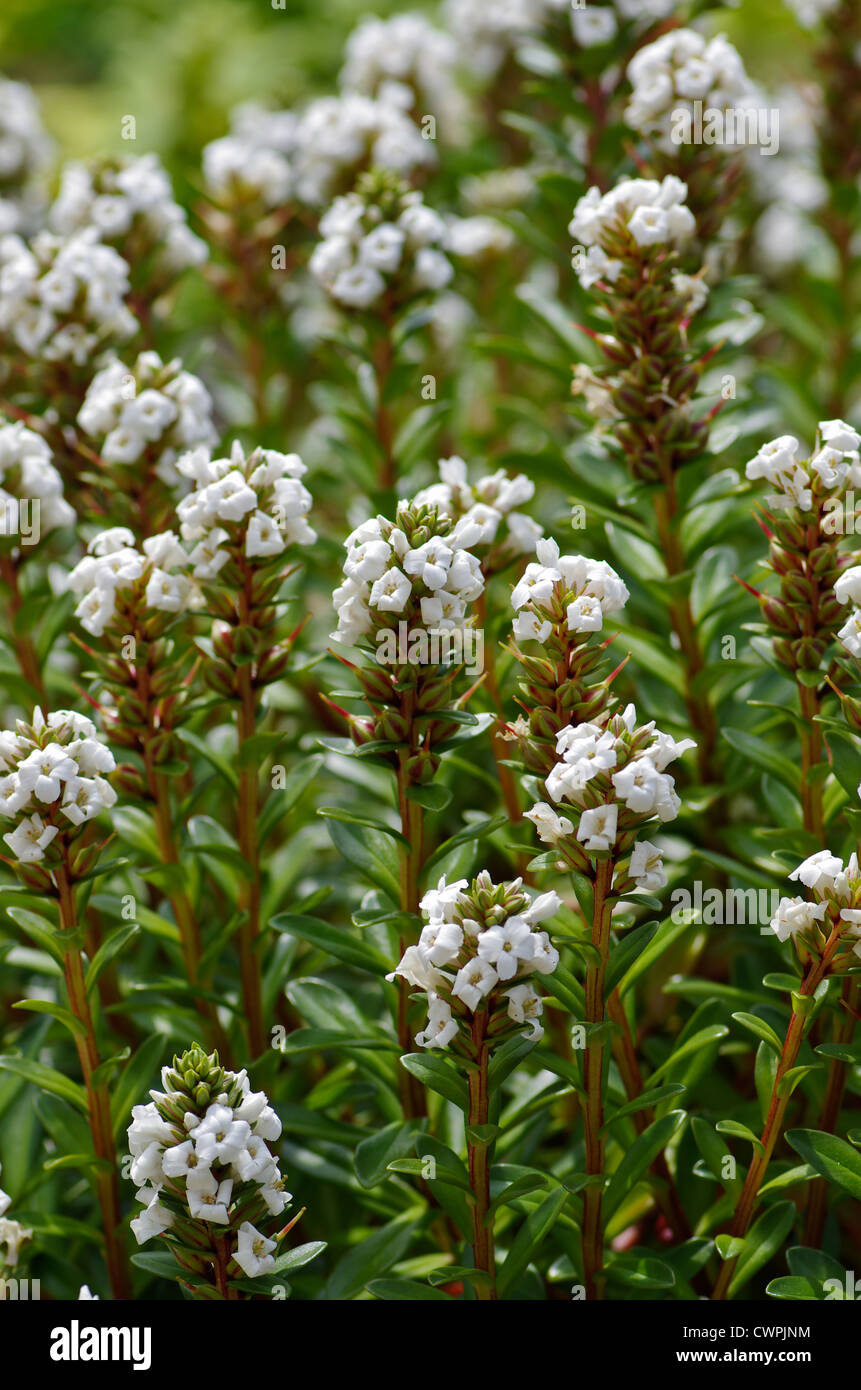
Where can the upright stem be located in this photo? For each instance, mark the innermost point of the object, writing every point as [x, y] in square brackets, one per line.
[811, 756]
[412, 828]
[249, 888]
[629, 1069]
[384, 358]
[479, 1163]
[835, 1086]
[774, 1119]
[22, 643]
[98, 1098]
[593, 1113]
[499, 748]
[699, 709]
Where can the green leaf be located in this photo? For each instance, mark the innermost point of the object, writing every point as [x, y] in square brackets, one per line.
[347, 817]
[133, 1086]
[762, 1243]
[57, 1011]
[110, 947]
[832, 1157]
[666, 935]
[757, 751]
[694, 1044]
[340, 942]
[739, 1131]
[639, 1157]
[439, 1075]
[375, 855]
[47, 1079]
[813, 1264]
[794, 1287]
[760, 1029]
[374, 1154]
[299, 1256]
[644, 1100]
[210, 755]
[371, 1257]
[433, 797]
[529, 1239]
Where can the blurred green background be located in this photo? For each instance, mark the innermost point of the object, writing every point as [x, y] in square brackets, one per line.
[178, 66]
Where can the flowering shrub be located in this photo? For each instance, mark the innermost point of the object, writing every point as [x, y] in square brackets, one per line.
[516, 912]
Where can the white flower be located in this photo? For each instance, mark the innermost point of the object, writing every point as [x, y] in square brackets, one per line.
[646, 867]
[597, 828]
[208, 1199]
[524, 1006]
[417, 970]
[441, 1026]
[819, 871]
[390, 592]
[551, 827]
[29, 840]
[440, 942]
[506, 946]
[253, 1251]
[473, 982]
[592, 25]
[794, 915]
[153, 1220]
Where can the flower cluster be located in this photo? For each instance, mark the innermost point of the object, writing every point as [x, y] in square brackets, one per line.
[564, 594]
[418, 569]
[801, 484]
[52, 780]
[619, 226]
[408, 62]
[115, 582]
[254, 505]
[151, 412]
[131, 206]
[27, 474]
[24, 152]
[12, 1234]
[810, 511]
[61, 298]
[675, 71]
[311, 156]
[615, 775]
[481, 944]
[380, 243]
[201, 1164]
[490, 503]
[833, 907]
[592, 25]
[252, 163]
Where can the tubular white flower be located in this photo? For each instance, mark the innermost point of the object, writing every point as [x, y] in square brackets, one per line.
[129, 203]
[61, 298]
[53, 781]
[480, 941]
[614, 226]
[153, 410]
[380, 240]
[27, 474]
[429, 585]
[679, 68]
[204, 1141]
[256, 503]
[115, 580]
